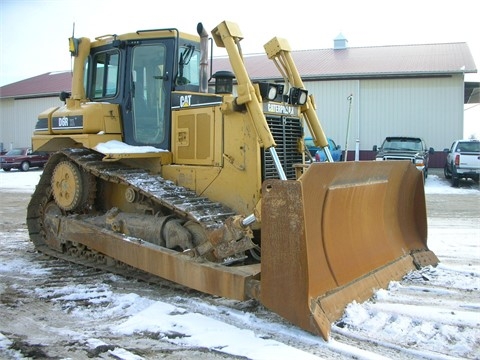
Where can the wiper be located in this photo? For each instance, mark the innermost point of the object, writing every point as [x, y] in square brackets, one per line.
[185, 58]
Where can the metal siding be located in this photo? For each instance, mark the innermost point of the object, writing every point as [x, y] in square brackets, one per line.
[332, 107]
[431, 108]
[7, 131]
[18, 118]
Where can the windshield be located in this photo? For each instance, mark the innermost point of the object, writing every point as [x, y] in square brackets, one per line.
[309, 143]
[403, 144]
[15, 152]
[473, 146]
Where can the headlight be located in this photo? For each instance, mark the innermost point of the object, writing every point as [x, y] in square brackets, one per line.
[223, 82]
[269, 91]
[297, 96]
[379, 159]
[419, 162]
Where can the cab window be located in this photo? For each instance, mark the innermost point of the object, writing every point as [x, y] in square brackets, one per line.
[188, 65]
[105, 75]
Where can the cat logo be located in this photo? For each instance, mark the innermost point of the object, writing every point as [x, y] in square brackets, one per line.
[185, 100]
[280, 109]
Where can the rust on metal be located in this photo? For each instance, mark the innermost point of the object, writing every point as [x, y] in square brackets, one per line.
[169, 264]
[358, 232]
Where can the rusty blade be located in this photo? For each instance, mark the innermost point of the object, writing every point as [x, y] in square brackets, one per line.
[337, 234]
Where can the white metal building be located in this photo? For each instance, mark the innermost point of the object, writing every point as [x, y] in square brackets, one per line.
[23, 101]
[431, 108]
[18, 118]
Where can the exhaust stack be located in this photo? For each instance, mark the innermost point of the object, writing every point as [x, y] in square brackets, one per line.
[203, 58]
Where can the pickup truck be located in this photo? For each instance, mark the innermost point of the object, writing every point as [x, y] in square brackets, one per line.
[408, 148]
[463, 161]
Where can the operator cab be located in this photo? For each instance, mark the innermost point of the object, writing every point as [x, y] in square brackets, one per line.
[139, 75]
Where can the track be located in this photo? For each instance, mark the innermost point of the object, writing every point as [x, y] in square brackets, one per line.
[179, 200]
[156, 195]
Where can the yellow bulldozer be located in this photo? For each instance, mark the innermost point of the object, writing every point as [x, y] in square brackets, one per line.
[202, 179]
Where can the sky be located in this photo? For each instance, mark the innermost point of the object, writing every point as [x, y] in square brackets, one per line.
[445, 329]
[34, 33]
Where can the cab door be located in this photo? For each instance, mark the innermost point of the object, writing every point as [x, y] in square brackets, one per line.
[147, 116]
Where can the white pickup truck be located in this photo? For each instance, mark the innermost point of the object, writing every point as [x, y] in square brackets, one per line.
[463, 161]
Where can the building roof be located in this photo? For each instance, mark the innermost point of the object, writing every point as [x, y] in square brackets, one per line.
[360, 62]
[48, 84]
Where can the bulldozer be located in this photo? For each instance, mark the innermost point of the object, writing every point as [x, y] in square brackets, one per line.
[159, 166]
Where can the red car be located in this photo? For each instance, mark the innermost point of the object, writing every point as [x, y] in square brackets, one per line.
[23, 159]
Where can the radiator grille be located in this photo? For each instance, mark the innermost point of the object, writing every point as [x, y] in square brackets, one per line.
[286, 131]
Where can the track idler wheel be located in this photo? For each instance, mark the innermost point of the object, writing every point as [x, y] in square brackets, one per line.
[70, 186]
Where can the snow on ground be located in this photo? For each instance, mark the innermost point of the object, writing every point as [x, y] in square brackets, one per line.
[15, 180]
[459, 336]
[438, 185]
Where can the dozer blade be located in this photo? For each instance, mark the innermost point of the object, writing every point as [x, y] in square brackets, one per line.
[337, 234]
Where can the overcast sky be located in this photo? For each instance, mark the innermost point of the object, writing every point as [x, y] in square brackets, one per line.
[34, 33]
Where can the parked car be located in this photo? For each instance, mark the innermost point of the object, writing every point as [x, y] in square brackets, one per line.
[463, 161]
[319, 155]
[23, 159]
[408, 148]
[311, 146]
[335, 150]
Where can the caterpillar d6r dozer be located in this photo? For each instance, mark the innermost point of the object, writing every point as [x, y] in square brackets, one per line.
[152, 170]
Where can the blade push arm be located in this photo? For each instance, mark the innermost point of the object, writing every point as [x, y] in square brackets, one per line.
[228, 35]
[278, 50]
